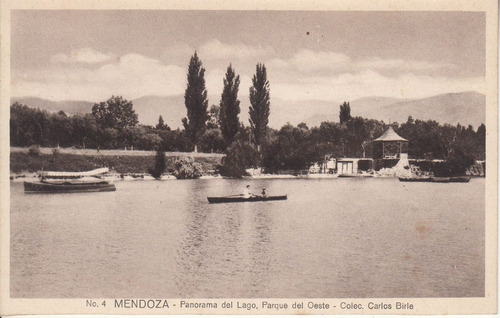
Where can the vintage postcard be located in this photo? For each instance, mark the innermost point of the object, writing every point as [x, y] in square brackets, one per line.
[225, 157]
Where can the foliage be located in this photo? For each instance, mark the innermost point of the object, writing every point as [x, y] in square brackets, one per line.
[161, 124]
[213, 117]
[196, 102]
[115, 113]
[159, 167]
[22, 162]
[175, 140]
[290, 148]
[187, 168]
[28, 125]
[212, 141]
[345, 113]
[239, 156]
[458, 161]
[34, 150]
[230, 106]
[260, 104]
[293, 149]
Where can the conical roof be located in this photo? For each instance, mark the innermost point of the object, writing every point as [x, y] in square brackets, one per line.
[390, 135]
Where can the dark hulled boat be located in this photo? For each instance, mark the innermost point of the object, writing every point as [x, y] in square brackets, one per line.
[463, 179]
[45, 186]
[234, 199]
[67, 182]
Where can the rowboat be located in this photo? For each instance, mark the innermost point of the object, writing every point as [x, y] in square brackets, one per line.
[236, 198]
[45, 186]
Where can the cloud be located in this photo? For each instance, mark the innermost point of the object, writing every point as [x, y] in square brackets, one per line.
[308, 61]
[84, 55]
[305, 75]
[132, 76]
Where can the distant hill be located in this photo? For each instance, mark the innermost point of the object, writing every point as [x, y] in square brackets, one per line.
[72, 107]
[467, 108]
[464, 108]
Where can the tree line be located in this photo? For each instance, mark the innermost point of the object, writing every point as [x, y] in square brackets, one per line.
[113, 124]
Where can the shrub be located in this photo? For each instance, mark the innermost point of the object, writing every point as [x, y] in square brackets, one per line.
[34, 150]
[186, 168]
[159, 167]
[239, 156]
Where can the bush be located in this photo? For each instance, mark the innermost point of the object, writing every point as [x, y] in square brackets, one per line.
[34, 150]
[159, 167]
[458, 162]
[186, 168]
[239, 156]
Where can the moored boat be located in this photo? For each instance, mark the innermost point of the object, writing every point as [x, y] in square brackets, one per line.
[237, 198]
[67, 182]
[415, 179]
[463, 179]
[356, 175]
[45, 186]
[72, 175]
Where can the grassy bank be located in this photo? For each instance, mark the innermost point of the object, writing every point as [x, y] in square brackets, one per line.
[123, 162]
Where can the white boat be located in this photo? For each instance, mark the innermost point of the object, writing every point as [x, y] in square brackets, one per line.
[72, 175]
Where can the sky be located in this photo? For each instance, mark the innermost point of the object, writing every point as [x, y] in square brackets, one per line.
[309, 55]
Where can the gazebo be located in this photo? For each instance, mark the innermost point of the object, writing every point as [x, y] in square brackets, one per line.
[390, 145]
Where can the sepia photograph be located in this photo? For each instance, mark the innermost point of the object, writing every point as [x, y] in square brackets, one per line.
[237, 159]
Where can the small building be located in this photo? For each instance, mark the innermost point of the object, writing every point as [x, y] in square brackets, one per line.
[388, 149]
[354, 165]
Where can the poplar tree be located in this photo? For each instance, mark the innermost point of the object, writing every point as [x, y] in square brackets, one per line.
[230, 107]
[161, 123]
[195, 99]
[345, 113]
[260, 104]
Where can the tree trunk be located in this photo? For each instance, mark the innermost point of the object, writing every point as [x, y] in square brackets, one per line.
[196, 148]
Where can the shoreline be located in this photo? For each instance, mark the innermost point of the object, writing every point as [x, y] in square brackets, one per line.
[132, 165]
[167, 177]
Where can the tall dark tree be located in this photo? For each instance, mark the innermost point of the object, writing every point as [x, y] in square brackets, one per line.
[159, 167]
[230, 106]
[161, 123]
[116, 113]
[345, 112]
[196, 101]
[260, 104]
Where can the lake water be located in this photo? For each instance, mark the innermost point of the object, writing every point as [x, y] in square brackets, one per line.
[332, 238]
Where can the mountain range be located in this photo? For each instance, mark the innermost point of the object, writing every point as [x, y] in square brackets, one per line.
[452, 108]
[466, 108]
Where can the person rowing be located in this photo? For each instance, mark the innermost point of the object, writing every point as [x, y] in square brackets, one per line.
[247, 193]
